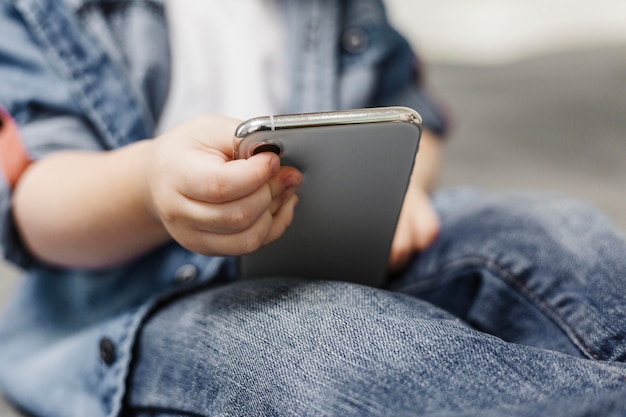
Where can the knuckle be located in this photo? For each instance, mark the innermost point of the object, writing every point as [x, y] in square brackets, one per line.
[280, 225]
[217, 188]
[257, 236]
[278, 232]
[254, 240]
[239, 218]
[169, 215]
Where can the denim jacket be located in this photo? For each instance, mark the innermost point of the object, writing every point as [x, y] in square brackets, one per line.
[93, 75]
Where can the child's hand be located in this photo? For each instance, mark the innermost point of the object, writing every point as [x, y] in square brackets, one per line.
[418, 225]
[210, 203]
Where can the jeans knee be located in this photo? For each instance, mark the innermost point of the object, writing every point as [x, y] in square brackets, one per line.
[531, 223]
[562, 256]
[267, 343]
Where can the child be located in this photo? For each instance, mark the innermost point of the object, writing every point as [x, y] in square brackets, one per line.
[130, 305]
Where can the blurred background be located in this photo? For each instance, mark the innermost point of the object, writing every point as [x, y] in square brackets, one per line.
[536, 90]
[488, 32]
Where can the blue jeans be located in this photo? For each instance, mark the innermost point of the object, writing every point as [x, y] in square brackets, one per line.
[519, 309]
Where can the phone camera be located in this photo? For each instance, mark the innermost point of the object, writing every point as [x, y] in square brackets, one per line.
[267, 147]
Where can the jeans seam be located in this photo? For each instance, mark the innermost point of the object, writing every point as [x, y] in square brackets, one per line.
[506, 275]
[159, 411]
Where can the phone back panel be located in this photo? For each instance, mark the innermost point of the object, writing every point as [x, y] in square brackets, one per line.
[354, 181]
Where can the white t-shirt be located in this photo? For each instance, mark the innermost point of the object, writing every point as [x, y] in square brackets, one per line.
[228, 57]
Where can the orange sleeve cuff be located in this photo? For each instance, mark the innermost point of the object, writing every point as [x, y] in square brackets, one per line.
[14, 158]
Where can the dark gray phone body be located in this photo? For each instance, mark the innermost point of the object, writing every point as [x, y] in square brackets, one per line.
[356, 167]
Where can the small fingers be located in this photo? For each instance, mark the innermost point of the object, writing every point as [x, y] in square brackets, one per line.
[428, 226]
[227, 218]
[282, 219]
[213, 180]
[237, 216]
[417, 229]
[265, 230]
[283, 186]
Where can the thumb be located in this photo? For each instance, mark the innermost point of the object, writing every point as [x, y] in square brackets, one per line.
[213, 132]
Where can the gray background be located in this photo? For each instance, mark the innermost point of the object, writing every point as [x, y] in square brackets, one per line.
[555, 123]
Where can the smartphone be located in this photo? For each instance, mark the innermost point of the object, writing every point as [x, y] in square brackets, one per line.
[356, 167]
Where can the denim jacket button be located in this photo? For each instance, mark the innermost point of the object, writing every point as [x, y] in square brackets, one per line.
[186, 273]
[107, 350]
[355, 40]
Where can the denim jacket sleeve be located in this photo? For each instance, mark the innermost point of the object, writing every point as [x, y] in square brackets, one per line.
[40, 102]
[374, 53]
[66, 89]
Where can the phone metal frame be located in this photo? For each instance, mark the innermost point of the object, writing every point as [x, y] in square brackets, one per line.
[243, 150]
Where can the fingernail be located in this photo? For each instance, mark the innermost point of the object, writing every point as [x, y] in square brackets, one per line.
[274, 164]
[286, 195]
[291, 181]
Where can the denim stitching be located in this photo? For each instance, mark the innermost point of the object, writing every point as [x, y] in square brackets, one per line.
[479, 263]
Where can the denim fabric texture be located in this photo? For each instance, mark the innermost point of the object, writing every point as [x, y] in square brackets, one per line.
[518, 309]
